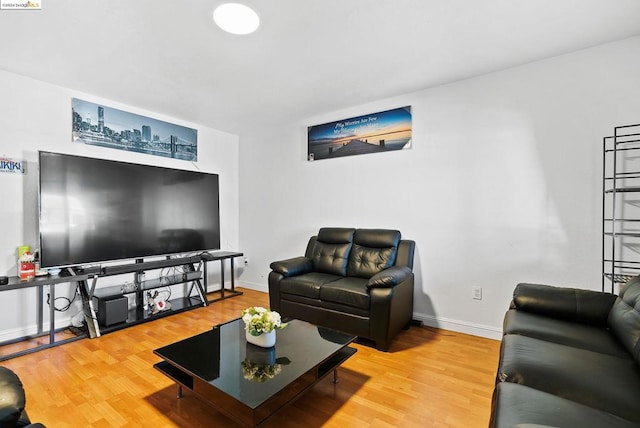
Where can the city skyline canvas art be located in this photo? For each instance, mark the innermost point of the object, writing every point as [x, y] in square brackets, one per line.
[104, 126]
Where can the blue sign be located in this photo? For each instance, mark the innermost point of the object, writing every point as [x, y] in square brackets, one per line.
[10, 165]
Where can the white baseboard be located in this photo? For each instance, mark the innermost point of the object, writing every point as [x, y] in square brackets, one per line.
[32, 330]
[15, 333]
[429, 320]
[255, 286]
[460, 326]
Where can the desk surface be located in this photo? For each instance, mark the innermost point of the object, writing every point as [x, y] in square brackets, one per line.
[16, 283]
[219, 255]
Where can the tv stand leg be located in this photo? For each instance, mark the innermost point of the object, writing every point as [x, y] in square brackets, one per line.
[222, 278]
[233, 282]
[88, 310]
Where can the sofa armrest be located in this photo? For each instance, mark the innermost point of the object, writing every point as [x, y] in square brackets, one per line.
[571, 304]
[389, 277]
[292, 267]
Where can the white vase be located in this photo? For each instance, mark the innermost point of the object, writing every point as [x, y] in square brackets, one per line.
[260, 356]
[265, 340]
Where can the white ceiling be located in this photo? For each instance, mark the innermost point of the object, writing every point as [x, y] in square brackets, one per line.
[308, 56]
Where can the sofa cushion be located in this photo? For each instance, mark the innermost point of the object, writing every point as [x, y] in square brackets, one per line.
[571, 304]
[307, 285]
[330, 251]
[330, 258]
[12, 398]
[336, 235]
[373, 251]
[517, 405]
[624, 318]
[347, 291]
[601, 381]
[377, 238]
[592, 338]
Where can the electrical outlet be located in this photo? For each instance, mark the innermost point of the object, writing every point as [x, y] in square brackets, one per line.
[477, 293]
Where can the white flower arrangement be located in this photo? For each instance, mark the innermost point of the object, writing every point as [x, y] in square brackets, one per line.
[258, 320]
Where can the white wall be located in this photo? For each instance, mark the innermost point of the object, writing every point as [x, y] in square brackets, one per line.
[502, 185]
[37, 116]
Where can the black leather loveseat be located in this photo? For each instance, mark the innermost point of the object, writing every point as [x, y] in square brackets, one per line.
[359, 281]
[12, 402]
[569, 358]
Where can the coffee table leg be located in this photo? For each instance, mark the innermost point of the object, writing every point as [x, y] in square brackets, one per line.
[179, 394]
[335, 375]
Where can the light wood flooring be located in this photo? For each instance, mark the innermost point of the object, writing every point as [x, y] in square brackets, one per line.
[429, 378]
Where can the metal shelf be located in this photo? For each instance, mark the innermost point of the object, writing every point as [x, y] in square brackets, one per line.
[619, 278]
[623, 190]
[619, 259]
[629, 234]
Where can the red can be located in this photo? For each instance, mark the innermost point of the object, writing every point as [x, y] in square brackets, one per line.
[27, 270]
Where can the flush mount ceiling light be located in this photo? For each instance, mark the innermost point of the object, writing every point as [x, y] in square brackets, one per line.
[236, 18]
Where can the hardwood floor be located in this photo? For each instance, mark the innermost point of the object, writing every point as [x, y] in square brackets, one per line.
[430, 378]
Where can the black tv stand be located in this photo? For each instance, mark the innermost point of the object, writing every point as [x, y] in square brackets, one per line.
[225, 293]
[85, 280]
[40, 283]
[193, 274]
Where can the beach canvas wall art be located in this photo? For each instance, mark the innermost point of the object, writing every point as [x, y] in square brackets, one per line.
[99, 125]
[371, 133]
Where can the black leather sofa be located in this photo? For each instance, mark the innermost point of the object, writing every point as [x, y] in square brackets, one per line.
[359, 281]
[12, 402]
[569, 358]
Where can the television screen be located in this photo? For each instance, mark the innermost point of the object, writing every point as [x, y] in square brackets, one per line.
[95, 210]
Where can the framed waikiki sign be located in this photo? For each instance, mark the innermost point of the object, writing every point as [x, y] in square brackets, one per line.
[371, 133]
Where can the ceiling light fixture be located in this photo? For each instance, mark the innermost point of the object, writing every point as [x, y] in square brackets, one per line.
[236, 18]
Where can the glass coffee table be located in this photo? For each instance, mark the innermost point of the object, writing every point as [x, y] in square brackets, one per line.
[247, 382]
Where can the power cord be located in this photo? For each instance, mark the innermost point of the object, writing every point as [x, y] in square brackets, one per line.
[68, 301]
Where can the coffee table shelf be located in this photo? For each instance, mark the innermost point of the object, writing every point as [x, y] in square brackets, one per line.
[331, 364]
[176, 374]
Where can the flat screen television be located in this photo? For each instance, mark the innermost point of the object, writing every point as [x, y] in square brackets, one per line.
[95, 210]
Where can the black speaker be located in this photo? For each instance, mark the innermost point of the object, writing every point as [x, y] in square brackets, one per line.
[112, 310]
